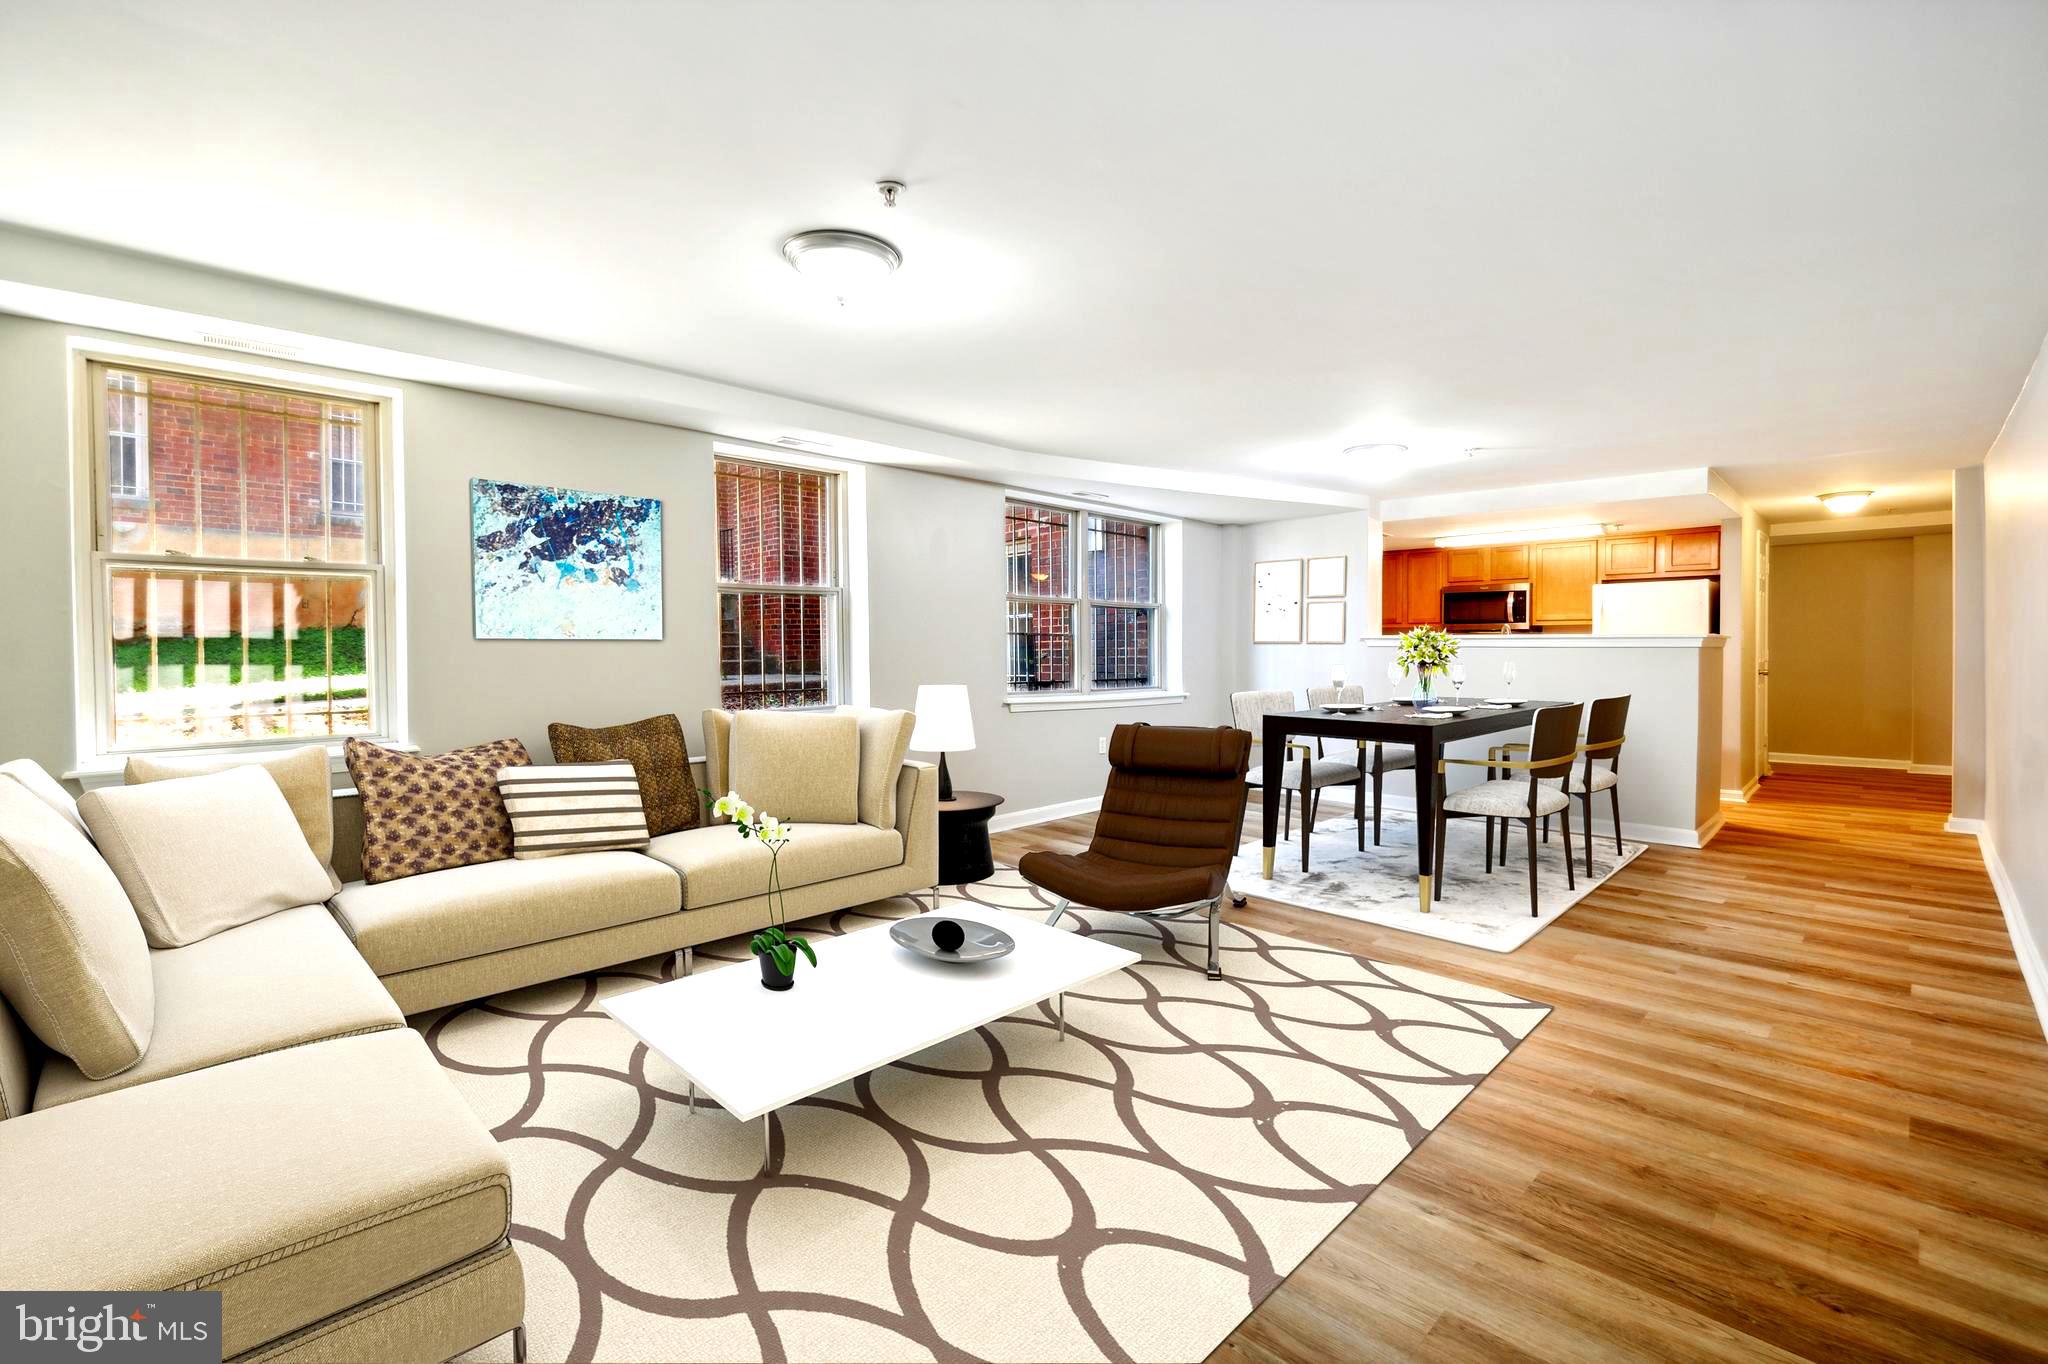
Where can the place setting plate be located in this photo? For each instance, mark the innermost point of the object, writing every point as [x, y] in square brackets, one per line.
[934, 936]
[1344, 707]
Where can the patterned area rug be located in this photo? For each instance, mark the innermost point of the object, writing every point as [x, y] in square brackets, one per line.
[1377, 886]
[1130, 1193]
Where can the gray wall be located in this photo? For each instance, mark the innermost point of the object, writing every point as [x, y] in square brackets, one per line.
[2016, 672]
[1354, 534]
[935, 566]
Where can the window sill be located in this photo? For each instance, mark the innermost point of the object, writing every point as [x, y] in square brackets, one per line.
[1094, 700]
[107, 769]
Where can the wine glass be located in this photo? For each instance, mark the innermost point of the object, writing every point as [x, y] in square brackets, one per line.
[1395, 672]
[1458, 681]
[1507, 675]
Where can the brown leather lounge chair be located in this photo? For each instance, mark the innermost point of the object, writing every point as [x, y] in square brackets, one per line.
[1171, 820]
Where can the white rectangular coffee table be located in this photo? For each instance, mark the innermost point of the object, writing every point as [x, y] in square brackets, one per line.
[868, 1002]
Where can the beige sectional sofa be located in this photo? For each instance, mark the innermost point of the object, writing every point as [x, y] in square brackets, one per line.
[286, 1140]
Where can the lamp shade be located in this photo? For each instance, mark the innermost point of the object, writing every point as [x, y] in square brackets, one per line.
[945, 724]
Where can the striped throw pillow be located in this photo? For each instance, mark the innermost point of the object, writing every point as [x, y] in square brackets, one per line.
[572, 808]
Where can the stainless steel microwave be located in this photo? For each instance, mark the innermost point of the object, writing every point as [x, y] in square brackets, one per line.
[1486, 610]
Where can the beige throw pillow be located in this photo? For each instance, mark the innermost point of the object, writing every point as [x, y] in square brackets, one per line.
[884, 740]
[45, 788]
[72, 959]
[199, 855]
[800, 767]
[301, 773]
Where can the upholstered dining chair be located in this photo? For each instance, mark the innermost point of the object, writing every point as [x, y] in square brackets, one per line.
[1172, 818]
[1606, 729]
[1553, 744]
[1376, 759]
[1308, 776]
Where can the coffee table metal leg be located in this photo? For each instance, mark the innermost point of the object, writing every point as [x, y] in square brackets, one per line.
[765, 1144]
[693, 1098]
[1062, 1006]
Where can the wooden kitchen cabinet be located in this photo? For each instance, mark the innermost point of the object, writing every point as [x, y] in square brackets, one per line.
[1689, 553]
[1465, 566]
[1393, 591]
[1628, 556]
[1427, 572]
[1507, 564]
[1561, 577]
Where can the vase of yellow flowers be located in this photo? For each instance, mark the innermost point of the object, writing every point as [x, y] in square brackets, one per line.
[1425, 652]
[774, 945]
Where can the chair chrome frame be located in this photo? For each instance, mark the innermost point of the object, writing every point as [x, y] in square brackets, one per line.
[1214, 909]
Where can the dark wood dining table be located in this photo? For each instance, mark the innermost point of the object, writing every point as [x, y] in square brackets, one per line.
[1387, 723]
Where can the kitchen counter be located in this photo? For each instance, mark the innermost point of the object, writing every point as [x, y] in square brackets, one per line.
[1671, 766]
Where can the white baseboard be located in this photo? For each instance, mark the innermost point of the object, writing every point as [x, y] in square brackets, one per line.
[2033, 966]
[1044, 814]
[1833, 760]
[1741, 797]
[1958, 825]
[1670, 835]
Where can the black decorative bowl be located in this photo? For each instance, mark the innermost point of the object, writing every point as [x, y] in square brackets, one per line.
[928, 936]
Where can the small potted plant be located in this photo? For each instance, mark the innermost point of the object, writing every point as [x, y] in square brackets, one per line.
[774, 945]
[1425, 651]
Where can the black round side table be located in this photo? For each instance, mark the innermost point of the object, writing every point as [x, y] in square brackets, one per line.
[964, 854]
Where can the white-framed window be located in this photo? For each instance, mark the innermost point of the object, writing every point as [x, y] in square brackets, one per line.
[127, 437]
[781, 621]
[232, 603]
[1084, 610]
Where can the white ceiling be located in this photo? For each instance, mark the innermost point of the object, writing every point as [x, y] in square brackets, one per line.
[1805, 244]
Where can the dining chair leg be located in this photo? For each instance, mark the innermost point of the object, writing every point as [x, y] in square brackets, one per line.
[1489, 845]
[1531, 823]
[1504, 825]
[1314, 808]
[1614, 796]
[1287, 818]
[1564, 819]
[1358, 809]
[1546, 828]
[1443, 822]
[1586, 808]
[1378, 780]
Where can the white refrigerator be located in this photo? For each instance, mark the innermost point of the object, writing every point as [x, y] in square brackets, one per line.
[1683, 606]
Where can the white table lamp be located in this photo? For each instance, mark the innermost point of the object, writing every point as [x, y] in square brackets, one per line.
[945, 723]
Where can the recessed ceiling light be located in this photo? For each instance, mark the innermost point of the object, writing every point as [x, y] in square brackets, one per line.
[1381, 448]
[1845, 503]
[842, 263]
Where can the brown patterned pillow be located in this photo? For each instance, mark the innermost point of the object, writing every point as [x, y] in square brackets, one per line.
[426, 813]
[660, 759]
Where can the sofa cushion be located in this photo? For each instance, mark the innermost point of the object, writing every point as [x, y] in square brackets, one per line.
[198, 855]
[884, 740]
[802, 768]
[467, 911]
[660, 758]
[425, 813]
[295, 1184]
[279, 982]
[560, 808]
[44, 787]
[301, 773]
[717, 865]
[73, 961]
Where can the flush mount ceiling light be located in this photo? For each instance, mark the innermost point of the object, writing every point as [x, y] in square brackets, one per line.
[840, 262]
[1515, 535]
[1381, 448]
[1845, 503]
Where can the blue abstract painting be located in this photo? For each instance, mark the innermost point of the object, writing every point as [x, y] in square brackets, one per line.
[555, 563]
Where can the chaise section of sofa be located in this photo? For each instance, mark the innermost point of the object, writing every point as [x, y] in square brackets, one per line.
[303, 1185]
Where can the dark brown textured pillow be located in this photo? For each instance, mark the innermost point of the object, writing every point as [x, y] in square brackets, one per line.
[426, 813]
[660, 759]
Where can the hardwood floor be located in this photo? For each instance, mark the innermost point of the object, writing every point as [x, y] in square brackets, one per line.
[1792, 1103]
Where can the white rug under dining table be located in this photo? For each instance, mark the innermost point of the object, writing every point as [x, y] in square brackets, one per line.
[1377, 886]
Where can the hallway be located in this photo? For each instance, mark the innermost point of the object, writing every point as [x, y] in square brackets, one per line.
[1793, 1102]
